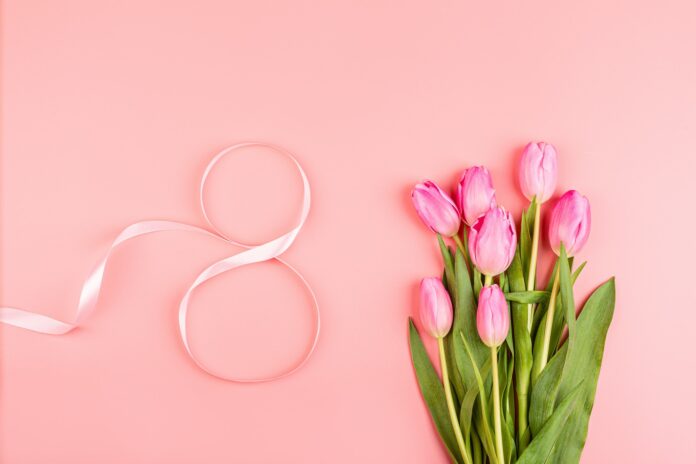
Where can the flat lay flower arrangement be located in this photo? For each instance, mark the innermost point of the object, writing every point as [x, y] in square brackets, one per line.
[519, 363]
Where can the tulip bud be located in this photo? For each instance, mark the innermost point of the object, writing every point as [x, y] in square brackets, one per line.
[475, 194]
[492, 316]
[436, 208]
[570, 223]
[435, 307]
[538, 171]
[492, 242]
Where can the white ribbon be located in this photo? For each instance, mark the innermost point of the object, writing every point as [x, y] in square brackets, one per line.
[253, 254]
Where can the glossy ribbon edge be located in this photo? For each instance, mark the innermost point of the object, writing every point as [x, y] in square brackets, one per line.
[270, 250]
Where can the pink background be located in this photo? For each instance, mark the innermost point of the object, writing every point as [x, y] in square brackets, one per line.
[111, 109]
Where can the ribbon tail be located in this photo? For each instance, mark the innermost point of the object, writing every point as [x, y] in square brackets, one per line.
[92, 286]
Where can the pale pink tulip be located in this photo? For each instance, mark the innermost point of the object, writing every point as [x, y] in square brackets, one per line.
[475, 194]
[436, 208]
[492, 316]
[538, 171]
[570, 223]
[435, 307]
[492, 242]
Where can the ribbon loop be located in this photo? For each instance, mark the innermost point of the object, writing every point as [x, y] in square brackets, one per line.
[270, 250]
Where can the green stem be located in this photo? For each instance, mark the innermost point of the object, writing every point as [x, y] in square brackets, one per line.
[486, 435]
[496, 405]
[476, 447]
[459, 243]
[488, 280]
[549, 326]
[465, 237]
[523, 434]
[531, 276]
[450, 402]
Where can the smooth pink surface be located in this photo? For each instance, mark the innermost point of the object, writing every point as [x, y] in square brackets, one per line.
[110, 111]
[492, 241]
[436, 209]
[538, 171]
[570, 223]
[492, 316]
[435, 308]
[475, 194]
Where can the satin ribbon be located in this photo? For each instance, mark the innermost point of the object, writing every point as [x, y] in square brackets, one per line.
[270, 250]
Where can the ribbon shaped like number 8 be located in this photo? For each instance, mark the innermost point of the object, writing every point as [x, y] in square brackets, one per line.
[252, 254]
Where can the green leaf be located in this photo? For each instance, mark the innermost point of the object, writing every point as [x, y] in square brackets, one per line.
[467, 408]
[523, 349]
[465, 240]
[560, 316]
[540, 449]
[502, 282]
[484, 424]
[432, 391]
[487, 441]
[524, 296]
[566, 368]
[544, 392]
[567, 298]
[557, 327]
[507, 366]
[448, 263]
[476, 451]
[577, 272]
[526, 232]
[540, 312]
[505, 287]
[566, 312]
[465, 322]
[543, 306]
[478, 284]
[583, 363]
[451, 284]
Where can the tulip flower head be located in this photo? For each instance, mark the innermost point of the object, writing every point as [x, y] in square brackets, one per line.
[436, 208]
[538, 172]
[475, 194]
[492, 316]
[435, 307]
[570, 223]
[492, 242]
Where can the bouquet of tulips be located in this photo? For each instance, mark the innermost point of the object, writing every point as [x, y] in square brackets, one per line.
[519, 364]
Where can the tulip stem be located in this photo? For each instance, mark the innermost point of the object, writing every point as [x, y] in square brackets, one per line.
[531, 276]
[465, 241]
[459, 243]
[488, 281]
[496, 405]
[450, 402]
[549, 325]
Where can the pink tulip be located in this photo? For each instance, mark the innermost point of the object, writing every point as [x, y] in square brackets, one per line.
[538, 171]
[492, 242]
[436, 208]
[492, 316]
[435, 307]
[570, 223]
[475, 194]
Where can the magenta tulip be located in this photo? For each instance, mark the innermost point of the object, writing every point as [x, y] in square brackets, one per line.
[436, 208]
[492, 316]
[570, 223]
[435, 307]
[538, 171]
[492, 242]
[475, 194]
